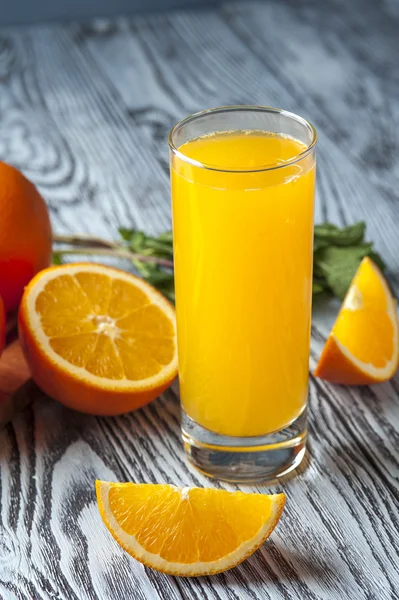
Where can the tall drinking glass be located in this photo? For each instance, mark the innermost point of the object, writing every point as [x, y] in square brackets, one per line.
[243, 183]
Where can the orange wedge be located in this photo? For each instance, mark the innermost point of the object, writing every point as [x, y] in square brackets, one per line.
[98, 339]
[187, 531]
[363, 346]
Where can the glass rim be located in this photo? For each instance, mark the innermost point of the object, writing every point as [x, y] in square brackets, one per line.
[239, 108]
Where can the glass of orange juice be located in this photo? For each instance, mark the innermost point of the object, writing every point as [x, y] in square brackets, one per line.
[243, 185]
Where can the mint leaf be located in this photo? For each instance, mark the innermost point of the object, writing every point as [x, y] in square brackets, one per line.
[167, 236]
[140, 243]
[327, 233]
[57, 258]
[125, 233]
[160, 278]
[159, 248]
[137, 242]
[317, 244]
[135, 238]
[337, 255]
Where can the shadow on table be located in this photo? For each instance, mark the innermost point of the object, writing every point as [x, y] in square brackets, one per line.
[275, 566]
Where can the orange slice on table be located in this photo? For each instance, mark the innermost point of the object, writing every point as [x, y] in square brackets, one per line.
[98, 339]
[363, 346]
[187, 531]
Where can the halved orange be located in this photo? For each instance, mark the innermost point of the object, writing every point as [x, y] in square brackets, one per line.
[187, 531]
[98, 339]
[363, 346]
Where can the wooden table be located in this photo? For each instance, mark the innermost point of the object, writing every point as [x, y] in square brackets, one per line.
[84, 111]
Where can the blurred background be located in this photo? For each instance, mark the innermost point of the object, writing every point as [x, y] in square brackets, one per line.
[26, 11]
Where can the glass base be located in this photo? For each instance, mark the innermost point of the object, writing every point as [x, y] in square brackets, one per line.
[245, 459]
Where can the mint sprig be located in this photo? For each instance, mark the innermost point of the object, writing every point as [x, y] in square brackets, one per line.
[161, 247]
[337, 254]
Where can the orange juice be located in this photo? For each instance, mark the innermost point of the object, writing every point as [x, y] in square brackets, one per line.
[243, 233]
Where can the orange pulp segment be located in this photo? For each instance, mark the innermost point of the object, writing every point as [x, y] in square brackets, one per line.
[90, 330]
[187, 531]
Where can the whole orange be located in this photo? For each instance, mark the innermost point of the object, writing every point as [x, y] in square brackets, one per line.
[25, 234]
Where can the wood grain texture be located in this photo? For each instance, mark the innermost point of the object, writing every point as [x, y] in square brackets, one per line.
[84, 111]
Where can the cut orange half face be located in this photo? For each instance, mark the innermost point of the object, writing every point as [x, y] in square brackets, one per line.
[187, 531]
[98, 339]
[363, 346]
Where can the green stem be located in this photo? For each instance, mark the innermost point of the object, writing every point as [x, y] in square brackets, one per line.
[116, 253]
[83, 239]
